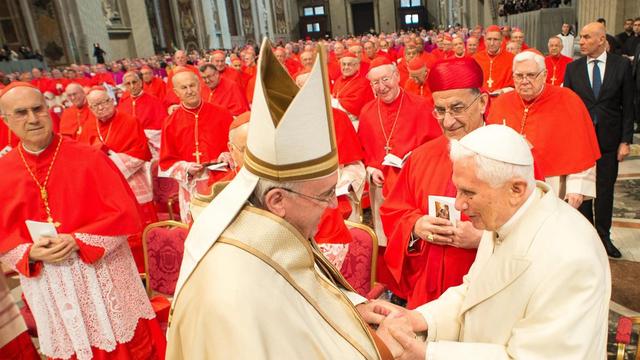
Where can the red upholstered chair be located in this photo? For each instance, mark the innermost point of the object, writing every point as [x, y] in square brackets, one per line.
[165, 196]
[163, 246]
[359, 266]
[623, 336]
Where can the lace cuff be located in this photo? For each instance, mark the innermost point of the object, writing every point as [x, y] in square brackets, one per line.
[18, 260]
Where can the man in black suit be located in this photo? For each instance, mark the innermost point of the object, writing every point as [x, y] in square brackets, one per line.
[604, 83]
[636, 76]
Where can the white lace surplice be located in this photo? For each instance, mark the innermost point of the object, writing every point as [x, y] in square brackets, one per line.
[78, 305]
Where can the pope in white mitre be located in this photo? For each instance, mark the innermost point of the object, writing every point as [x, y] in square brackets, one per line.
[253, 284]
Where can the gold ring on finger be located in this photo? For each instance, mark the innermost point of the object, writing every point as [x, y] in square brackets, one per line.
[430, 237]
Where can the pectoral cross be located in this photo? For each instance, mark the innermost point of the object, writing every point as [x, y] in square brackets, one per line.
[197, 155]
[387, 149]
[490, 82]
[553, 78]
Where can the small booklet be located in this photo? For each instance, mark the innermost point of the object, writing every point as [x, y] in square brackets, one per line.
[393, 160]
[218, 166]
[38, 229]
[444, 207]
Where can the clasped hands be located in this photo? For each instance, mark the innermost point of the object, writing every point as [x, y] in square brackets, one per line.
[397, 328]
[53, 250]
[442, 232]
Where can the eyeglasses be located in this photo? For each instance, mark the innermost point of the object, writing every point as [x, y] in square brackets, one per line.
[385, 80]
[456, 111]
[529, 76]
[102, 103]
[327, 199]
[23, 114]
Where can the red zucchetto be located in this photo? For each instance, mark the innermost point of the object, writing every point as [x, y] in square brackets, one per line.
[455, 73]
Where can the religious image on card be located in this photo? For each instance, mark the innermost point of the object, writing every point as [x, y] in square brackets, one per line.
[444, 207]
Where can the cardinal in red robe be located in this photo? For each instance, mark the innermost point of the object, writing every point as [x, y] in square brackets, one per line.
[193, 136]
[146, 108]
[495, 63]
[391, 126]
[151, 84]
[417, 82]
[419, 253]
[555, 62]
[351, 90]
[222, 92]
[80, 282]
[74, 118]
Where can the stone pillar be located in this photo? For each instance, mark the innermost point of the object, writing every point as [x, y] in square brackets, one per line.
[140, 31]
[591, 10]
[338, 14]
[90, 27]
[387, 15]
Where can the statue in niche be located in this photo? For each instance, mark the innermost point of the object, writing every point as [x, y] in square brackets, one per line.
[111, 12]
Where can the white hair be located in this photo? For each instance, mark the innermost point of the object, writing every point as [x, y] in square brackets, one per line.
[264, 186]
[494, 172]
[529, 55]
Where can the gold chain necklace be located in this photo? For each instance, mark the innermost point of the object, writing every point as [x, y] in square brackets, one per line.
[104, 140]
[387, 148]
[44, 195]
[523, 122]
[197, 153]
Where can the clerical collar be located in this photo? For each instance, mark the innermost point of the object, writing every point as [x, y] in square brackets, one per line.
[394, 100]
[38, 152]
[535, 97]
[191, 108]
[137, 96]
[504, 230]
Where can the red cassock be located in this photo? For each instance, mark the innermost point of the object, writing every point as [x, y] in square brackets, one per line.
[20, 348]
[334, 70]
[331, 228]
[403, 71]
[352, 92]
[412, 87]
[563, 137]
[415, 126]
[228, 95]
[99, 79]
[422, 275]
[123, 134]
[147, 109]
[251, 85]
[293, 66]
[43, 84]
[234, 76]
[101, 204]
[556, 66]
[74, 120]
[155, 87]
[496, 70]
[6, 136]
[179, 141]
[429, 59]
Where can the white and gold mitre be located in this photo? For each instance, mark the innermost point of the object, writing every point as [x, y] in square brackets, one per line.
[291, 138]
[291, 135]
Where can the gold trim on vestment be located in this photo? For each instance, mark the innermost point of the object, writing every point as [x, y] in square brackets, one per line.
[325, 282]
[278, 87]
[305, 170]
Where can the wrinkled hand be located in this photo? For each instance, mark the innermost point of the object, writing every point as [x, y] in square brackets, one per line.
[441, 229]
[574, 200]
[53, 249]
[375, 311]
[399, 323]
[225, 157]
[413, 348]
[172, 108]
[623, 151]
[376, 176]
[466, 236]
[194, 169]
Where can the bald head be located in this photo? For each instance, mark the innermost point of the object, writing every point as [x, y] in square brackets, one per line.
[593, 40]
[25, 113]
[186, 85]
[75, 94]
[180, 58]
[306, 58]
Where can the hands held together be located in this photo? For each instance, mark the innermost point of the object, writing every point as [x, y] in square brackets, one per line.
[442, 232]
[397, 327]
[53, 250]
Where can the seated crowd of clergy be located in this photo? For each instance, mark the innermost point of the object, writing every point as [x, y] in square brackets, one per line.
[477, 154]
